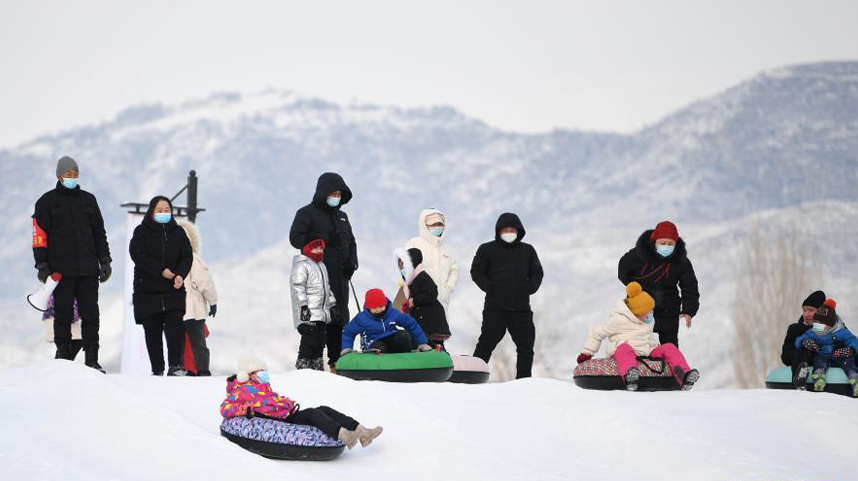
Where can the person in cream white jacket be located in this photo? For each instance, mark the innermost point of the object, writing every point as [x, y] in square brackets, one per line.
[201, 302]
[438, 260]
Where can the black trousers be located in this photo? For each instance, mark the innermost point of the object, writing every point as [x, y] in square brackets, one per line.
[399, 342]
[799, 356]
[520, 326]
[668, 337]
[327, 419]
[196, 330]
[155, 327]
[334, 335]
[74, 348]
[313, 340]
[85, 291]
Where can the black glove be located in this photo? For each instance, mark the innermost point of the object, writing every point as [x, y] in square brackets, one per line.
[810, 345]
[213, 310]
[335, 314]
[105, 270]
[44, 272]
[844, 353]
[305, 314]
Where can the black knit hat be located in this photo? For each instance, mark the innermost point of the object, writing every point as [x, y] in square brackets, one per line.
[826, 313]
[416, 256]
[814, 300]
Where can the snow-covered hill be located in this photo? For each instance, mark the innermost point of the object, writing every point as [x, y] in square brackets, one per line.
[62, 421]
[776, 151]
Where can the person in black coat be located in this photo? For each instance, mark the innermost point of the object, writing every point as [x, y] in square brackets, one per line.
[69, 239]
[509, 272]
[162, 257]
[798, 357]
[323, 219]
[421, 297]
[659, 263]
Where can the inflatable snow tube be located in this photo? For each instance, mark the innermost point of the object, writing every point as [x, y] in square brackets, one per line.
[469, 370]
[601, 374]
[428, 366]
[280, 440]
[835, 380]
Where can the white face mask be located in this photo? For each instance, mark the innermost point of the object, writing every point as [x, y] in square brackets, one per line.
[509, 237]
[819, 327]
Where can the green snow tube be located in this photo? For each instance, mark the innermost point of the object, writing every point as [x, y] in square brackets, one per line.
[835, 380]
[428, 366]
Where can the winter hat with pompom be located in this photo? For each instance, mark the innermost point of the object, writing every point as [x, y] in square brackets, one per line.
[639, 302]
[248, 364]
[826, 313]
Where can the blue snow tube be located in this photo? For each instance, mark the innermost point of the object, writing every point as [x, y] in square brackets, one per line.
[835, 380]
[276, 439]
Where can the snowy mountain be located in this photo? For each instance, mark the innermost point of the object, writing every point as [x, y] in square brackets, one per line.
[535, 429]
[778, 150]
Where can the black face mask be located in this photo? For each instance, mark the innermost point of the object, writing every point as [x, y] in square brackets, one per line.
[380, 315]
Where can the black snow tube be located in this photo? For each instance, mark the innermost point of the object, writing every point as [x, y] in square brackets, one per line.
[277, 439]
[469, 370]
[602, 375]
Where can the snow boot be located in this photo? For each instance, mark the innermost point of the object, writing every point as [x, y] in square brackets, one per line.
[63, 352]
[303, 363]
[317, 364]
[91, 359]
[818, 380]
[333, 369]
[688, 378]
[157, 373]
[177, 371]
[854, 383]
[204, 373]
[366, 436]
[800, 378]
[350, 438]
[632, 378]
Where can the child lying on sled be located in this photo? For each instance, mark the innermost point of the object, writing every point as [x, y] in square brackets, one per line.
[378, 325]
[249, 394]
[629, 333]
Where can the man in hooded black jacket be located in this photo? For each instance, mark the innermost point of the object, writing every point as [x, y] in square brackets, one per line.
[509, 272]
[323, 219]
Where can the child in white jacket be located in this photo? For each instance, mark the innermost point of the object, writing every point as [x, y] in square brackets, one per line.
[201, 302]
[629, 333]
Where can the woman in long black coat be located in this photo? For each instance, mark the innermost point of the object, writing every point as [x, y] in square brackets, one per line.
[660, 264]
[162, 258]
[422, 297]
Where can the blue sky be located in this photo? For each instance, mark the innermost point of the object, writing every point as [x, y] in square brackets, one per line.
[525, 66]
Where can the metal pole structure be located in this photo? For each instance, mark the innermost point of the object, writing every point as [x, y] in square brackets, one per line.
[192, 196]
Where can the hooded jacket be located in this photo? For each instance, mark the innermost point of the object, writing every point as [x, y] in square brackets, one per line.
[372, 329]
[318, 219]
[255, 397]
[622, 326]
[838, 335]
[509, 273]
[199, 284]
[310, 288]
[427, 310]
[662, 278]
[438, 259]
[153, 248]
[68, 232]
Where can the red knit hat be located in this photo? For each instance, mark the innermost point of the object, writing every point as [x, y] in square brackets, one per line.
[309, 246]
[375, 298]
[665, 230]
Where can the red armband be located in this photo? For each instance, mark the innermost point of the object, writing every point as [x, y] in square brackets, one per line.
[40, 238]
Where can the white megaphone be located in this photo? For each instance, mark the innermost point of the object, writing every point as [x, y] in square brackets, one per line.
[39, 299]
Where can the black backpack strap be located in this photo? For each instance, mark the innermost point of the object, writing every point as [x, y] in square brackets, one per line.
[645, 360]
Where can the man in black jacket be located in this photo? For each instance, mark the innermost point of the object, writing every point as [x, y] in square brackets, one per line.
[323, 219]
[509, 272]
[69, 239]
[796, 357]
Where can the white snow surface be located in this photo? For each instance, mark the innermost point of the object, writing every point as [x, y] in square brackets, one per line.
[63, 421]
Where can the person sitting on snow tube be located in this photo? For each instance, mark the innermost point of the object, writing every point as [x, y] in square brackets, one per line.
[379, 327]
[799, 358]
[828, 329]
[249, 394]
[629, 332]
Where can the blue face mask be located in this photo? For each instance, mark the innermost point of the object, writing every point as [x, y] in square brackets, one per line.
[819, 327]
[403, 273]
[665, 251]
[649, 319]
[262, 376]
[69, 183]
[436, 231]
[163, 217]
[333, 201]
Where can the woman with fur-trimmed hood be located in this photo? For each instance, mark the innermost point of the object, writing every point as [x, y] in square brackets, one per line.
[421, 296]
[438, 260]
[201, 302]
